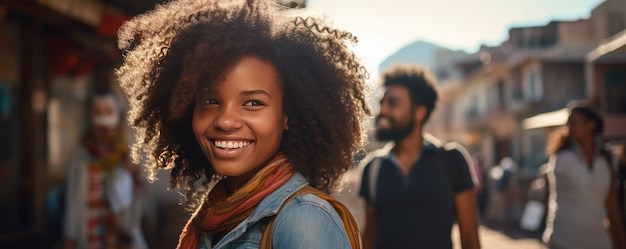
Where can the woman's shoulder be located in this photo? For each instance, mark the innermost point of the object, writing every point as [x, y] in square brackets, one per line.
[566, 153]
[311, 222]
[310, 209]
[309, 205]
[564, 158]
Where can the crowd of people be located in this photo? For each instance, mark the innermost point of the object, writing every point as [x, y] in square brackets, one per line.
[257, 115]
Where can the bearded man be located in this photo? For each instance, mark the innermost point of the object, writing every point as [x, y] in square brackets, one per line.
[415, 187]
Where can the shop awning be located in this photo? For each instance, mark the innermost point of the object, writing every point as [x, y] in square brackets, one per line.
[548, 119]
[613, 49]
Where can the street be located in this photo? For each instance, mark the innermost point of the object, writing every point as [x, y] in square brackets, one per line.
[489, 238]
[494, 239]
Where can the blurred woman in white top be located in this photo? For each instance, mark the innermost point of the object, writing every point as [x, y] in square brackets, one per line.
[582, 209]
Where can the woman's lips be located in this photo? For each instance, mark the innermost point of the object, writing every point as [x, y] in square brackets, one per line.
[230, 144]
[223, 148]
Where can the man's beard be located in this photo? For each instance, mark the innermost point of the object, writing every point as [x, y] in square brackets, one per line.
[397, 131]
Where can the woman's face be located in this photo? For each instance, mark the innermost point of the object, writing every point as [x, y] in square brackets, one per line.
[580, 127]
[105, 113]
[239, 122]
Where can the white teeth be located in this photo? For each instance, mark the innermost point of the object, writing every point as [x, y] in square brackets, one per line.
[230, 144]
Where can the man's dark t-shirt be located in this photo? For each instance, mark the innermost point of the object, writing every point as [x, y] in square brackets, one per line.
[417, 210]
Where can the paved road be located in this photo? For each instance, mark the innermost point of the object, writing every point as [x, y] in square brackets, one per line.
[490, 238]
[494, 239]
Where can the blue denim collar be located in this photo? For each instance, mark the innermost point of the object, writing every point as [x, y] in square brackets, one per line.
[273, 202]
[269, 206]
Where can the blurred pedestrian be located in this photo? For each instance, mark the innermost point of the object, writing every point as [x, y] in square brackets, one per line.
[582, 180]
[508, 186]
[268, 105]
[502, 179]
[509, 177]
[101, 200]
[415, 187]
[480, 185]
[535, 211]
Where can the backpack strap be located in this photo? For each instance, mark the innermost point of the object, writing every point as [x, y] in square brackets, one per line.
[375, 160]
[349, 222]
[373, 178]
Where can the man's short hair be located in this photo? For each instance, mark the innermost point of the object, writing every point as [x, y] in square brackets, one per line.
[421, 84]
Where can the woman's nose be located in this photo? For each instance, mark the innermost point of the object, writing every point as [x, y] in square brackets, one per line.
[228, 119]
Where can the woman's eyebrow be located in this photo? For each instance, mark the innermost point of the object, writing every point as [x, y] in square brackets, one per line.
[207, 90]
[255, 92]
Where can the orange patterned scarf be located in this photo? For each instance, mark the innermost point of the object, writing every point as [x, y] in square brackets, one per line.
[109, 149]
[221, 213]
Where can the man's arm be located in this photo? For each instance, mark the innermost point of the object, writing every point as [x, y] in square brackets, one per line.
[465, 208]
[457, 159]
[370, 227]
[615, 217]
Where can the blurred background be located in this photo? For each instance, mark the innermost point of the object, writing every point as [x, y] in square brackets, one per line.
[506, 69]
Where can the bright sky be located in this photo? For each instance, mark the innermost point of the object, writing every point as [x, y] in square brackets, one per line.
[384, 26]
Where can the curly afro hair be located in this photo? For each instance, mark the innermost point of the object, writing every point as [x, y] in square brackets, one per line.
[175, 50]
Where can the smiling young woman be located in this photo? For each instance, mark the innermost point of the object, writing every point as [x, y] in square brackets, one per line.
[240, 121]
[271, 105]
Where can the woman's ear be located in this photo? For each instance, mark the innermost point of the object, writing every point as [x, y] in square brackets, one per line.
[285, 122]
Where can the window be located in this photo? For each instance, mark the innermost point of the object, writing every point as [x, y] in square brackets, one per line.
[501, 96]
[534, 148]
[472, 110]
[532, 83]
[615, 92]
[496, 96]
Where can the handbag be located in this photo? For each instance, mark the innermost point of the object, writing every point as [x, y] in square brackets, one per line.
[532, 216]
[348, 220]
[120, 189]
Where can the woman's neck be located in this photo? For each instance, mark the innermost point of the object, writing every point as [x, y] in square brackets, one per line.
[588, 148]
[232, 184]
[587, 143]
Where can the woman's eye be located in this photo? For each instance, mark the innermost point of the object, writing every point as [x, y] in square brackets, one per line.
[253, 103]
[210, 102]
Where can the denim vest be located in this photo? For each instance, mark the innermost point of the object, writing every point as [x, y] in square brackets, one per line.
[305, 222]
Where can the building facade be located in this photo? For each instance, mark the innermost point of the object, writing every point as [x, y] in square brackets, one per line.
[508, 98]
